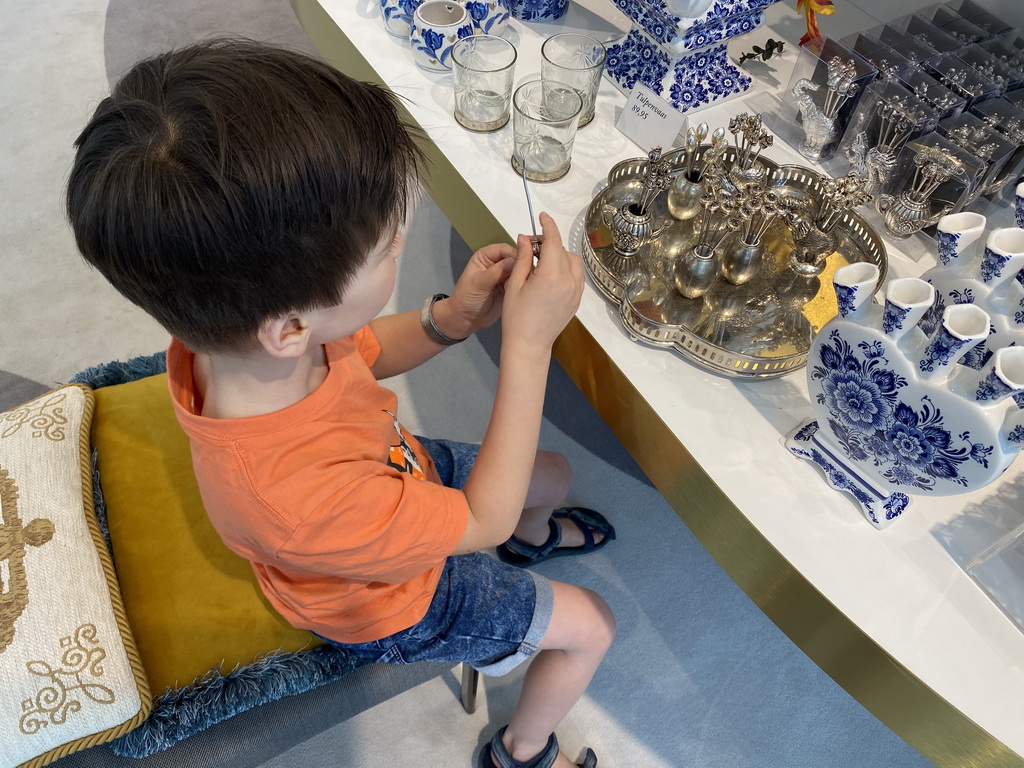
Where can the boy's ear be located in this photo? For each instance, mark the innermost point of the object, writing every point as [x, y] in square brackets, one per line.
[285, 336]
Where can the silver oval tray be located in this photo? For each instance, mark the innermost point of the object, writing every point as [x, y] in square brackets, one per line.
[759, 330]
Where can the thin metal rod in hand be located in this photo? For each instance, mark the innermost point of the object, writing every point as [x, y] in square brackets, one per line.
[529, 205]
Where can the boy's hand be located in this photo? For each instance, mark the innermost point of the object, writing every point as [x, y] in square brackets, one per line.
[540, 301]
[476, 301]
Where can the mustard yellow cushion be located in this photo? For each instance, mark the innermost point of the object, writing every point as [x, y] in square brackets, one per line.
[193, 604]
[70, 676]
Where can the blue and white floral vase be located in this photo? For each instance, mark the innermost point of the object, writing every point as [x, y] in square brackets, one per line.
[976, 270]
[490, 17]
[678, 49]
[436, 26]
[894, 415]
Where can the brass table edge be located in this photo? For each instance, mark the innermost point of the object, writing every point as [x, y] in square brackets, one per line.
[905, 704]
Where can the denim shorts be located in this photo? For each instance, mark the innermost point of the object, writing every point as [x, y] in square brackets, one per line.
[452, 460]
[485, 613]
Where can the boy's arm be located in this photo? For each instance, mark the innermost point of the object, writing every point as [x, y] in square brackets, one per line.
[538, 304]
[474, 304]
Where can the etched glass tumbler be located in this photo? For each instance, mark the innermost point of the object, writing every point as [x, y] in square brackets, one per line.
[545, 114]
[576, 60]
[483, 68]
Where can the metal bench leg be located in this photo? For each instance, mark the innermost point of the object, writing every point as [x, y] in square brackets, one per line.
[470, 681]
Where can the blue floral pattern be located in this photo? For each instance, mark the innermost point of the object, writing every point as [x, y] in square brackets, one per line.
[943, 349]
[893, 317]
[697, 37]
[1017, 434]
[538, 10]
[430, 42]
[992, 387]
[933, 317]
[895, 505]
[704, 78]
[686, 80]
[992, 265]
[845, 479]
[966, 296]
[488, 16]
[723, 9]
[477, 11]
[703, 35]
[398, 14]
[692, 81]
[436, 46]
[909, 444]
[637, 58]
[660, 23]
[947, 243]
[846, 298]
[976, 357]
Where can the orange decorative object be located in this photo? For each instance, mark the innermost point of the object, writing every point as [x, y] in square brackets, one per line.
[810, 9]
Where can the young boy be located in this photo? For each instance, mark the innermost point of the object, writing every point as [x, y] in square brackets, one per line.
[252, 199]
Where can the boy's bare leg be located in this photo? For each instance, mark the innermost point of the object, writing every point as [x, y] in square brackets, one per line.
[581, 630]
[549, 485]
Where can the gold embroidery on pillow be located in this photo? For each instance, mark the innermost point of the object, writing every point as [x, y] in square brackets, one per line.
[82, 656]
[14, 541]
[45, 419]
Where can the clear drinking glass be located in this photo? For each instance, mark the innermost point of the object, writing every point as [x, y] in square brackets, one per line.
[576, 60]
[483, 68]
[545, 114]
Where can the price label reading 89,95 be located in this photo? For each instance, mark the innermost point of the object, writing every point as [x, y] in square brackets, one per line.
[648, 120]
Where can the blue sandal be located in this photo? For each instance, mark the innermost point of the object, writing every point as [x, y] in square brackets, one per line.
[494, 754]
[516, 552]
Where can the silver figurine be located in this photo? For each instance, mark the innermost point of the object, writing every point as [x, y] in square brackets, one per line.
[972, 139]
[913, 210]
[819, 123]
[813, 232]
[896, 123]
[955, 79]
[632, 224]
[941, 99]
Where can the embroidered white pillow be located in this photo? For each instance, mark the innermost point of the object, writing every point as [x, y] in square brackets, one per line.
[70, 676]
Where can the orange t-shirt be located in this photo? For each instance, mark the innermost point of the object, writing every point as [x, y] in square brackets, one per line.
[339, 510]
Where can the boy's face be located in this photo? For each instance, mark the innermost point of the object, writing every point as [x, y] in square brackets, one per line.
[367, 294]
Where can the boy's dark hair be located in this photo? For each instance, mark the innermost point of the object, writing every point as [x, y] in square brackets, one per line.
[229, 182]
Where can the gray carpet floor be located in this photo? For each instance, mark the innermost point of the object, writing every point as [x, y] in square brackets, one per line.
[697, 677]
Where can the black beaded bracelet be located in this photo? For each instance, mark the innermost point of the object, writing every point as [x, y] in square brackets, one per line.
[427, 321]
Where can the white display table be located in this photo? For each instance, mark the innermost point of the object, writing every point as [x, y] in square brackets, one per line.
[890, 615]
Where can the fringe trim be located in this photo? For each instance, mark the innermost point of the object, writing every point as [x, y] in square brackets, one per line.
[214, 697]
[116, 372]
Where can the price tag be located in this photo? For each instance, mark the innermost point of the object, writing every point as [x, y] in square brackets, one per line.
[649, 121]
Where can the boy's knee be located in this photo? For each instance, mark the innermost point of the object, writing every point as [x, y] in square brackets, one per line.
[607, 626]
[581, 621]
[556, 468]
[600, 628]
